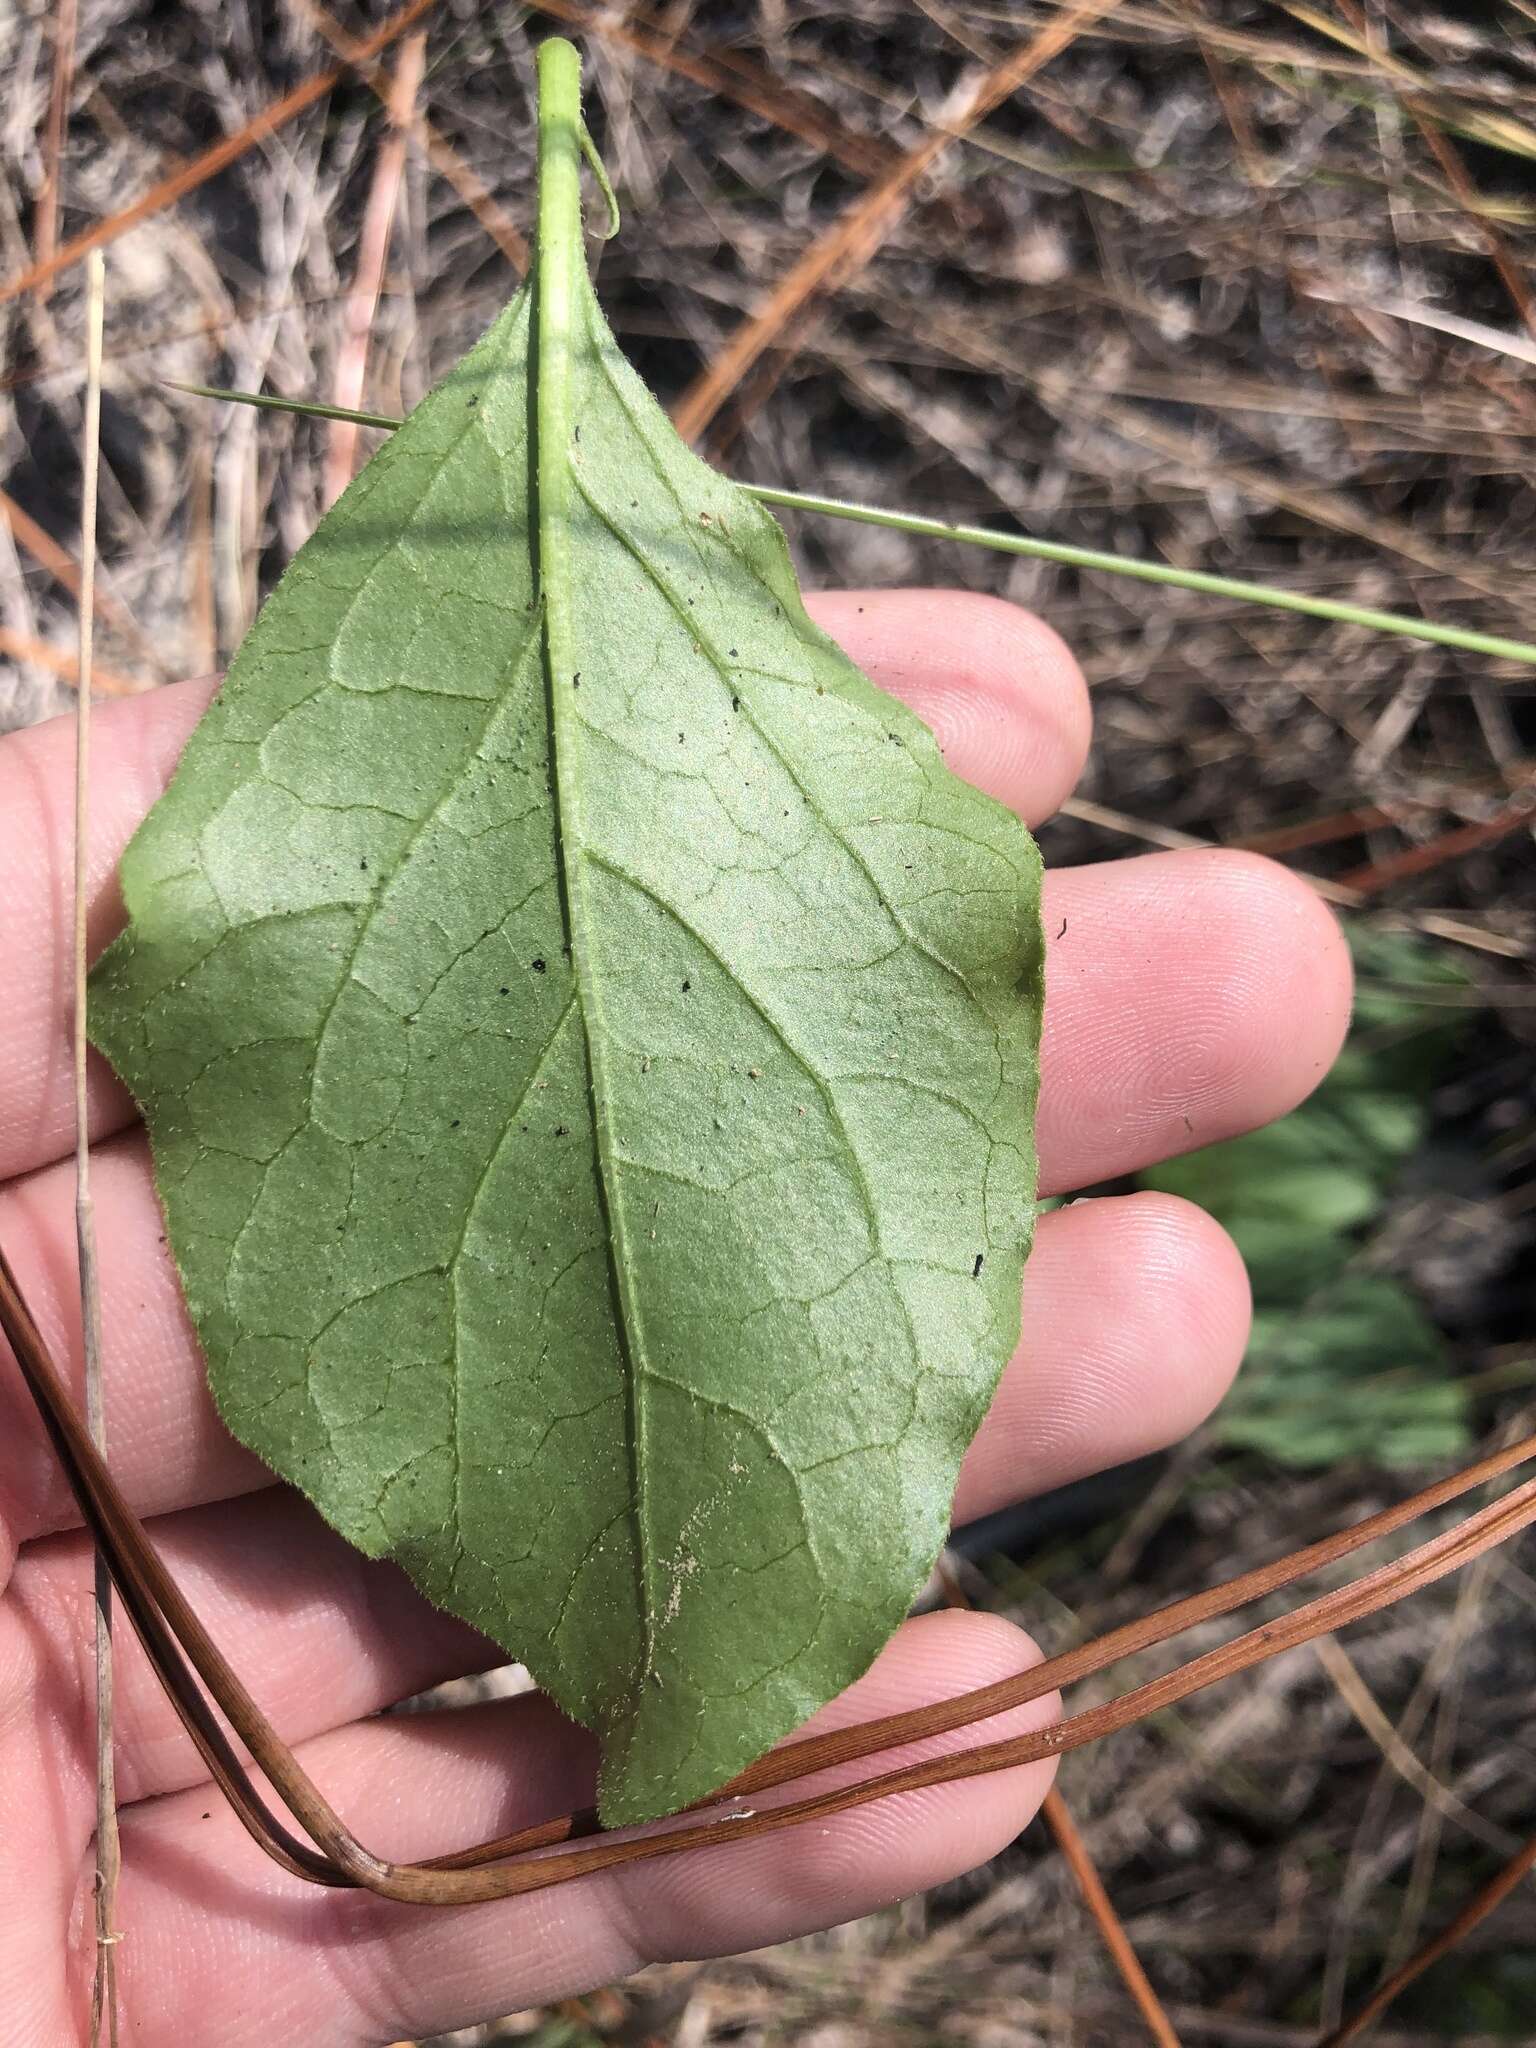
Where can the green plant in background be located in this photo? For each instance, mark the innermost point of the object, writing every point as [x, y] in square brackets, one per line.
[1344, 1363]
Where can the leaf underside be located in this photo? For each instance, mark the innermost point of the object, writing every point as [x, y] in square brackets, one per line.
[592, 1109]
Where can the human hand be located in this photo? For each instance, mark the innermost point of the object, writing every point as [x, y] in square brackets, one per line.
[1191, 996]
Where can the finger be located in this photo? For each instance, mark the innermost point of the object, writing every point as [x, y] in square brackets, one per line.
[227, 1950]
[167, 1445]
[1135, 1315]
[1000, 691]
[1189, 997]
[135, 745]
[1005, 697]
[1135, 1319]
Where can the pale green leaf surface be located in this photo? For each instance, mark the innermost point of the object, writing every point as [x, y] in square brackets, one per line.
[588, 1041]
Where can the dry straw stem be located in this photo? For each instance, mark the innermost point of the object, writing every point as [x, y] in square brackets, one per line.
[104, 2003]
[440, 152]
[1365, 1707]
[212, 161]
[1447, 156]
[1494, 130]
[854, 239]
[372, 253]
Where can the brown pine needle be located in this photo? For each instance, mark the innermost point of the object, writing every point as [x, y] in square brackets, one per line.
[45, 233]
[40, 544]
[177, 1644]
[1493, 1894]
[1419, 860]
[854, 239]
[187, 179]
[1075, 1854]
[1064, 1832]
[22, 647]
[108, 1847]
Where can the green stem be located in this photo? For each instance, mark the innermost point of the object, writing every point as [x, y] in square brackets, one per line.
[1154, 572]
[1332, 609]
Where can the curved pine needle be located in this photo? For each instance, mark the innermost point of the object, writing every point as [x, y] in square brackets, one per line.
[167, 1626]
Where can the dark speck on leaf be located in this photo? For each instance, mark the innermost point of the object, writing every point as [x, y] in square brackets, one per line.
[454, 1125]
[576, 680]
[732, 652]
[1063, 932]
[576, 431]
[735, 703]
[686, 986]
[473, 399]
[976, 1269]
[503, 991]
[538, 967]
[562, 1130]
[363, 865]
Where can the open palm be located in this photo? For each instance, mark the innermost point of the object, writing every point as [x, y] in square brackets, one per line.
[1190, 997]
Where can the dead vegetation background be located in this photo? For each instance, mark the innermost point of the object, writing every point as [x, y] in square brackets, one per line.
[1238, 285]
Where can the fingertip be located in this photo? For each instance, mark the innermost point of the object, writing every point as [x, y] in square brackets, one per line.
[999, 689]
[1135, 1317]
[1189, 997]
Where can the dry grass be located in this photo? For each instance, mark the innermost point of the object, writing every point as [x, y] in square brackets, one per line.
[1177, 296]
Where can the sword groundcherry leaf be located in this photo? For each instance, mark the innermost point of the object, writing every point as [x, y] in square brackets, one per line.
[588, 1042]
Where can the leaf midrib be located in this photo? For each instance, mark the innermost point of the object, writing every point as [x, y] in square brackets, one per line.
[560, 273]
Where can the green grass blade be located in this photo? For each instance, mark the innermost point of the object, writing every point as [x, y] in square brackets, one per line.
[1335, 610]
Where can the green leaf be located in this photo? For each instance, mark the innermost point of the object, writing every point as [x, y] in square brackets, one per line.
[588, 1041]
[1342, 1364]
[1359, 1372]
